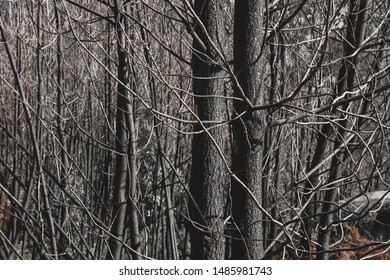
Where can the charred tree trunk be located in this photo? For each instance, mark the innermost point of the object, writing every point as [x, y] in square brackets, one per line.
[248, 130]
[346, 81]
[124, 193]
[209, 177]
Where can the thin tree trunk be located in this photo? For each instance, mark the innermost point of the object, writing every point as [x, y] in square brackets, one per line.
[60, 125]
[124, 196]
[346, 81]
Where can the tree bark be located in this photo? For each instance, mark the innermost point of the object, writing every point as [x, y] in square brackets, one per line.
[248, 130]
[209, 177]
[125, 194]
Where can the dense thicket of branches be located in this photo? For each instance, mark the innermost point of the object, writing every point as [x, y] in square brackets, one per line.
[175, 129]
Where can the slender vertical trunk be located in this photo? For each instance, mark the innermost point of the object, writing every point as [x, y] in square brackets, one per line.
[173, 251]
[108, 155]
[125, 194]
[132, 194]
[248, 130]
[209, 178]
[119, 195]
[346, 81]
[60, 121]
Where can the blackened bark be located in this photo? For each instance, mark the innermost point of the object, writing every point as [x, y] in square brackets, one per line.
[209, 177]
[119, 192]
[248, 131]
[60, 122]
[124, 193]
[346, 81]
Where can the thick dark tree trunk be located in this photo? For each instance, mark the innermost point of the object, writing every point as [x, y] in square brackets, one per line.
[248, 130]
[210, 179]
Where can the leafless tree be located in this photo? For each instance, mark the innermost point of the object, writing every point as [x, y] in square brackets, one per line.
[179, 129]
